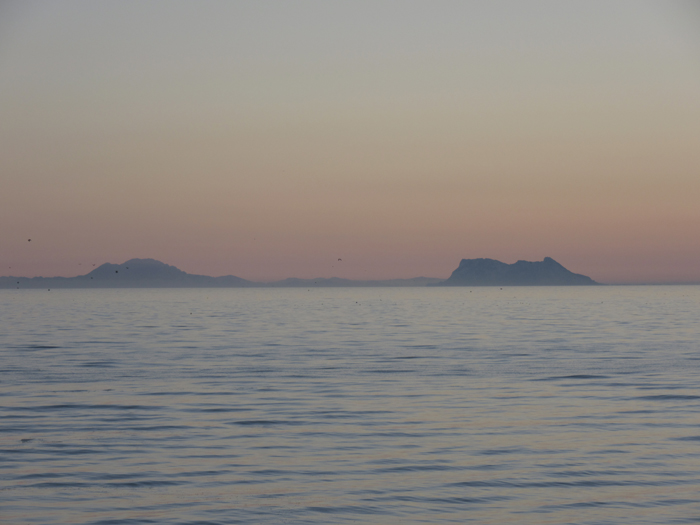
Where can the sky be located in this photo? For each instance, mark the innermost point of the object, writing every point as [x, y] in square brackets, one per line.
[271, 139]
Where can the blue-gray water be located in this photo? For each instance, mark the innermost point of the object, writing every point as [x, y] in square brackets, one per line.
[435, 405]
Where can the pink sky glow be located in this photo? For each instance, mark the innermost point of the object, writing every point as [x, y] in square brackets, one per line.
[233, 138]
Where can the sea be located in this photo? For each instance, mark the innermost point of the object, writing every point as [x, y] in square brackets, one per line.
[513, 405]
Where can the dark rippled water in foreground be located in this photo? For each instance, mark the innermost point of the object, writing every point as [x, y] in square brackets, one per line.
[520, 405]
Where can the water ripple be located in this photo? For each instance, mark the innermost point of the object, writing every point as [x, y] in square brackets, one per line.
[379, 406]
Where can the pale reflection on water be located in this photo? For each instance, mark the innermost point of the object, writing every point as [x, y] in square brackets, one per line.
[521, 405]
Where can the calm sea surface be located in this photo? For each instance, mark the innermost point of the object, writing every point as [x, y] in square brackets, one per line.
[370, 405]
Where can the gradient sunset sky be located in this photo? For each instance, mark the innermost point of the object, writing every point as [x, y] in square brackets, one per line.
[269, 139]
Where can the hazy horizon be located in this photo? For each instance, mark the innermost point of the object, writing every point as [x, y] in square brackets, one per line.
[269, 140]
[95, 266]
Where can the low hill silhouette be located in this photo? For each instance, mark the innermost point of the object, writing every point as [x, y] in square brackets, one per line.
[150, 273]
[134, 273]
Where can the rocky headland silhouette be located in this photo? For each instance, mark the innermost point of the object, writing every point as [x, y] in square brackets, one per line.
[489, 272]
[150, 273]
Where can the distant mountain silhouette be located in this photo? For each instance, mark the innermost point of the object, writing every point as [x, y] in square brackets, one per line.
[138, 269]
[337, 282]
[489, 272]
[134, 273]
[150, 273]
